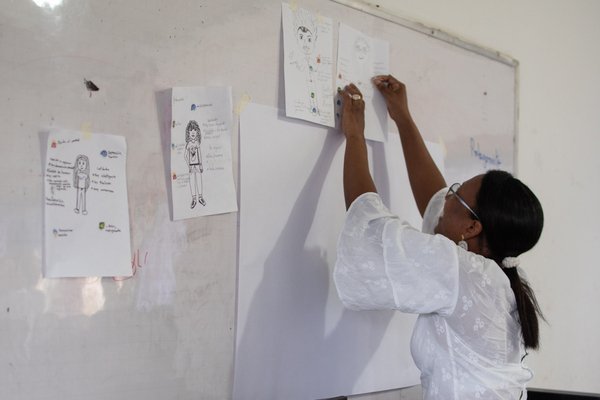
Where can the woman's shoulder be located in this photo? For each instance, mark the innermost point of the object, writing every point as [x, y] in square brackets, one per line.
[478, 266]
[482, 279]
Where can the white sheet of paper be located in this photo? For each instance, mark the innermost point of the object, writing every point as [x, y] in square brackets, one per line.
[361, 57]
[201, 165]
[86, 215]
[308, 65]
[294, 338]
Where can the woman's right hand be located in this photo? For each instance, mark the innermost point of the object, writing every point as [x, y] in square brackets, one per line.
[353, 112]
[394, 93]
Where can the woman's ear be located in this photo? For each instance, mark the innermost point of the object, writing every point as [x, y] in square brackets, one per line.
[476, 239]
[474, 229]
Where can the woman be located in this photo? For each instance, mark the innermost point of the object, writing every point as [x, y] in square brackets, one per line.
[476, 314]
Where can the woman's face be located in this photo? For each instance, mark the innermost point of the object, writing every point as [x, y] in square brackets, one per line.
[81, 164]
[193, 135]
[456, 218]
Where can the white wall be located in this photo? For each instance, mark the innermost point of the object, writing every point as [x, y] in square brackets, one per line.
[556, 45]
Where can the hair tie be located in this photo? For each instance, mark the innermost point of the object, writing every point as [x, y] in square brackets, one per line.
[510, 262]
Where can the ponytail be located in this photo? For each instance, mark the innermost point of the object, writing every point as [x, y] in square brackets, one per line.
[512, 220]
[528, 308]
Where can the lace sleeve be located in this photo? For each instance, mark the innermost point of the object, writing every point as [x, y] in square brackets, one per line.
[383, 263]
[359, 273]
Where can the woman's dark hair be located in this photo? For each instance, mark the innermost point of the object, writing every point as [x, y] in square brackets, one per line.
[512, 220]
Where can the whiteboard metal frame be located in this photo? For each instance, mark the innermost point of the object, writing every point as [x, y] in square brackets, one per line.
[427, 30]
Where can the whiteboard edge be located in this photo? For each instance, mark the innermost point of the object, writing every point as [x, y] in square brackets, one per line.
[516, 127]
[377, 11]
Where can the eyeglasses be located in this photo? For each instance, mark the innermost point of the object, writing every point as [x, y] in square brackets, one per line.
[452, 191]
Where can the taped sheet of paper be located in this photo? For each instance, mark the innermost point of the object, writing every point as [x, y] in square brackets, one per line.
[292, 329]
[201, 165]
[86, 215]
[361, 57]
[308, 65]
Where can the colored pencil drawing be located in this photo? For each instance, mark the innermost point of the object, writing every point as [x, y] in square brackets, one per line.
[308, 69]
[81, 182]
[201, 168]
[360, 57]
[305, 59]
[193, 158]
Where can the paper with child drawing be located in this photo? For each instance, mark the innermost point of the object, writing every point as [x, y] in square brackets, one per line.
[361, 57]
[86, 215]
[308, 65]
[201, 165]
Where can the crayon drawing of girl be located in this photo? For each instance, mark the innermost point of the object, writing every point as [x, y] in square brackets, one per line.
[193, 157]
[81, 182]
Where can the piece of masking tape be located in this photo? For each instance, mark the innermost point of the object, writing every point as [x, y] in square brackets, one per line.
[294, 5]
[86, 129]
[241, 105]
[319, 18]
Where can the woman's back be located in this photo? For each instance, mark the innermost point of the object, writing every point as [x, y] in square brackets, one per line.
[476, 351]
[467, 340]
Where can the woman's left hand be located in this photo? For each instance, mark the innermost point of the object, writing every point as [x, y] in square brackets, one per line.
[353, 112]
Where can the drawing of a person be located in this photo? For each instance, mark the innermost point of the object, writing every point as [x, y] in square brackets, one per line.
[81, 182]
[306, 37]
[362, 65]
[193, 157]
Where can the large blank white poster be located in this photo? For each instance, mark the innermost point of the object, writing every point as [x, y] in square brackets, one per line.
[294, 338]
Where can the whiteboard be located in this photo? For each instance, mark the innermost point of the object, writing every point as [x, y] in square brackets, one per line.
[168, 332]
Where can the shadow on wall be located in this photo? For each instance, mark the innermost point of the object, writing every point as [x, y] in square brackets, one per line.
[164, 113]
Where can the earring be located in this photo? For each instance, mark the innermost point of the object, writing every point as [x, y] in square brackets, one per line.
[463, 244]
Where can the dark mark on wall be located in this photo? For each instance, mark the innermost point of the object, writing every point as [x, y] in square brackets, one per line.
[90, 86]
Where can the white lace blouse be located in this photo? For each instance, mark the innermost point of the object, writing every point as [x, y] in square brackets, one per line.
[467, 340]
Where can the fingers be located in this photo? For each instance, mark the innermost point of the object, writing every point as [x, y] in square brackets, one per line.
[352, 98]
[386, 80]
[387, 84]
[352, 91]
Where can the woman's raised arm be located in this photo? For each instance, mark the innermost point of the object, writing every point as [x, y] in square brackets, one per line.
[357, 177]
[424, 176]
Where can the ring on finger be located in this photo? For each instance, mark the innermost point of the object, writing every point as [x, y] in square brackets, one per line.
[355, 96]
